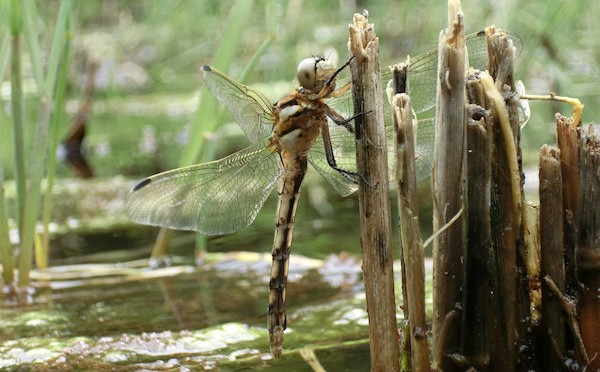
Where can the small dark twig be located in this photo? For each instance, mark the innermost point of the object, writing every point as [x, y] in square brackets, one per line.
[571, 311]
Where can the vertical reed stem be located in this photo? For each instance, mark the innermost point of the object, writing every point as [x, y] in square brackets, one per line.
[412, 247]
[552, 258]
[371, 157]
[449, 191]
[588, 247]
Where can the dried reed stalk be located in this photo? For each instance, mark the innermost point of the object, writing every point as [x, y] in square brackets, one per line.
[412, 247]
[448, 181]
[374, 207]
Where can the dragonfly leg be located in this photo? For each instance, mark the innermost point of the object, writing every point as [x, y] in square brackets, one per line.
[340, 120]
[332, 77]
[345, 122]
[352, 176]
[331, 157]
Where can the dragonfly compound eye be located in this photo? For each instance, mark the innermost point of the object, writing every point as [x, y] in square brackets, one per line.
[314, 72]
[307, 73]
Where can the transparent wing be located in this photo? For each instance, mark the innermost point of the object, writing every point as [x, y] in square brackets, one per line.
[422, 75]
[344, 151]
[424, 149]
[213, 198]
[422, 86]
[248, 107]
[423, 69]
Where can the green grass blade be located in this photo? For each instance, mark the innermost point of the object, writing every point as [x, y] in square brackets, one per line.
[58, 43]
[8, 265]
[36, 172]
[16, 23]
[6, 256]
[5, 248]
[209, 115]
[40, 147]
[57, 118]
[241, 12]
[207, 118]
[204, 118]
[30, 32]
[206, 152]
[4, 54]
[17, 109]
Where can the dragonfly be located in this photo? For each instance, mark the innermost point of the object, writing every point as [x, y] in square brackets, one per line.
[312, 125]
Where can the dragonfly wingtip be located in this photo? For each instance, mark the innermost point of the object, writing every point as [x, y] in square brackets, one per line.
[142, 184]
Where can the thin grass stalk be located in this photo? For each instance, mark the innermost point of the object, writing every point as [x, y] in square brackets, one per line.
[6, 256]
[58, 43]
[209, 115]
[36, 172]
[17, 110]
[57, 118]
[4, 54]
[30, 33]
[40, 145]
[164, 235]
[204, 118]
[208, 153]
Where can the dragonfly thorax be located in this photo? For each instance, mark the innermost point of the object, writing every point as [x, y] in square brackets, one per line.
[314, 72]
[299, 119]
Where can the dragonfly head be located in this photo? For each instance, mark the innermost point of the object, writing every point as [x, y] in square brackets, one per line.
[314, 72]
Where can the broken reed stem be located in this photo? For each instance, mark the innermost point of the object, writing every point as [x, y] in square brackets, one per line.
[501, 114]
[530, 254]
[511, 300]
[478, 320]
[493, 205]
[588, 247]
[448, 192]
[400, 85]
[552, 258]
[412, 247]
[374, 207]
[568, 144]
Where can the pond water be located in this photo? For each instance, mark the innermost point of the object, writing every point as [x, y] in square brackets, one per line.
[99, 306]
[186, 317]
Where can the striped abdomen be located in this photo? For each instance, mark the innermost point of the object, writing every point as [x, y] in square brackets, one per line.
[288, 200]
